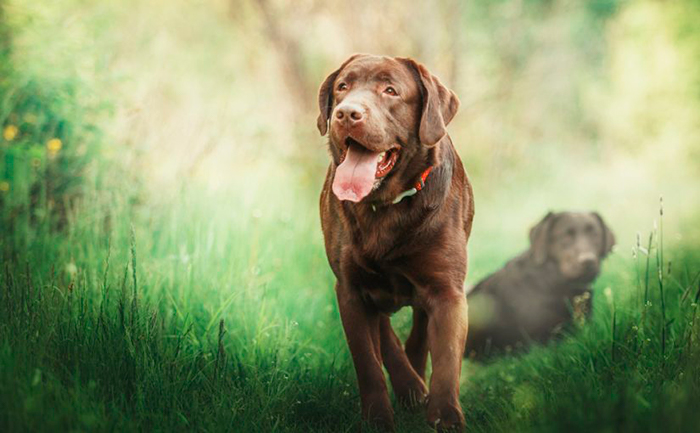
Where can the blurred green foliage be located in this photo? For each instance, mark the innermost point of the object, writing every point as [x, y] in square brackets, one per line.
[49, 136]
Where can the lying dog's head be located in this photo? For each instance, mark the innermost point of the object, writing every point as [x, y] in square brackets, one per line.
[575, 241]
[383, 115]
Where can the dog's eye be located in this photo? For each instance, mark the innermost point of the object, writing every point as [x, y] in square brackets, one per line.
[390, 91]
[342, 86]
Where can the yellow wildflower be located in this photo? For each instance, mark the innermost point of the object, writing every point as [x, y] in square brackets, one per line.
[4, 186]
[53, 146]
[10, 132]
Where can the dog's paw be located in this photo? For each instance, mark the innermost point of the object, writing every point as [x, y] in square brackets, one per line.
[411, 393]
[445, 417]
[377, 411]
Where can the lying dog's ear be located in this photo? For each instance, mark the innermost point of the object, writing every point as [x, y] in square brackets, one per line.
[539, 239]
[325, 97]
[440, 104]
[608, 237]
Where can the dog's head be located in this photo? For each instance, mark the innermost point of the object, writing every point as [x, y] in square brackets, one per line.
[575, 241]
[382, 115]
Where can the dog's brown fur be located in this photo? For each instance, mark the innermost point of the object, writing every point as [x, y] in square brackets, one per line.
[543, 289]
[409, 253]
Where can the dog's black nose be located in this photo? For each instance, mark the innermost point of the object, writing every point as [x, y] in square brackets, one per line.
[351, 113]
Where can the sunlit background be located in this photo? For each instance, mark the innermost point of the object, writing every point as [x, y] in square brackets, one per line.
[178, 139]
[565, 104]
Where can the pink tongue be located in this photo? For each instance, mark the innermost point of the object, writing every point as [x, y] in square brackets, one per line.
[354, 178]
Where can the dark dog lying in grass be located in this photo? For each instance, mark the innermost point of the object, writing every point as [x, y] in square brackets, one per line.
[535, 294]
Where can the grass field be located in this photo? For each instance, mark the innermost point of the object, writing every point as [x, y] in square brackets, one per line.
[189, 322]
[153, 281]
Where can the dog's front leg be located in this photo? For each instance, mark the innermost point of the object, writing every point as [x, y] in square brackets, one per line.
[447, 335]
[361, 325]
[409, 387]
[417, 342]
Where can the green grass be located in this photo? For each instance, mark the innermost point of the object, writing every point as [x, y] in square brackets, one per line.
[139, 292]
[177, 317]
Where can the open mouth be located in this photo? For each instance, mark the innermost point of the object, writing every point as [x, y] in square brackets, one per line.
[359, 169]
[385, 159]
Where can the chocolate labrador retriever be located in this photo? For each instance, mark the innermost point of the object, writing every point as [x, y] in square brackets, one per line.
[540, 291]
[396, 213]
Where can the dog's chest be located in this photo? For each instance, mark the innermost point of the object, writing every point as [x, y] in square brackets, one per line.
[386, 290]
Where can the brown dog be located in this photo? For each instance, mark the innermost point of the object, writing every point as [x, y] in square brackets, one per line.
[396, 213]
[540, 291]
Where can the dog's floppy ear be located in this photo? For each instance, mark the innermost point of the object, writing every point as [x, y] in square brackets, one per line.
[539, 239]
[440, 104]
[325, 97]
[608, 237]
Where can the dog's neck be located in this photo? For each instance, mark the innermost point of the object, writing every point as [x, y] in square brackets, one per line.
[379, 229]
[548, 278]
[420, 183]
